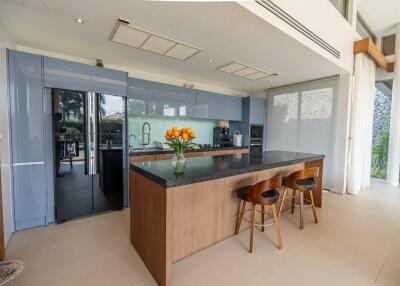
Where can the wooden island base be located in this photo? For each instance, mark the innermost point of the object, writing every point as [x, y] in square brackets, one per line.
[168, 224]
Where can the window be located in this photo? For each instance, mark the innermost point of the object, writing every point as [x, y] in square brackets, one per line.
[341, 6]
[388, 44]
[302, 118]
[363, 29]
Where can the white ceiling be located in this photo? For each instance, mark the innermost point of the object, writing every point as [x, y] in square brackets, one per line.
[225, 31]
[381, 15]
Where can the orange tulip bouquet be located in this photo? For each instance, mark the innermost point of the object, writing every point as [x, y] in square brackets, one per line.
[180, 140]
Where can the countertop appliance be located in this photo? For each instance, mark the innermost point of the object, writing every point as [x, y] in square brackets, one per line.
[237, 139]
[256, 138]
[88, 136]
[221, 137]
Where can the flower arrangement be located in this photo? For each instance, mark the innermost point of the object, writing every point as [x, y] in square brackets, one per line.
[180, 140]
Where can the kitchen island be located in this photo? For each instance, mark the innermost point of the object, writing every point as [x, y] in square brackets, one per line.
[173, 216]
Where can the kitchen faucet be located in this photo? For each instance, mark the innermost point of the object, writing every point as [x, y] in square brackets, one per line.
[146, 134]
[129, 139]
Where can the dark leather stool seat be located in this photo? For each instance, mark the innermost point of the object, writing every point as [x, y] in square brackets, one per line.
[306, 183]
[303, 181]
[272, 196]
[263, 194]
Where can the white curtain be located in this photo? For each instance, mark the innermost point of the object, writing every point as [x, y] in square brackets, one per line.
[301, 118]
[362, 110]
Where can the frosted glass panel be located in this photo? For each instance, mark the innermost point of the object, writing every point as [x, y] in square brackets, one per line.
[302, 119]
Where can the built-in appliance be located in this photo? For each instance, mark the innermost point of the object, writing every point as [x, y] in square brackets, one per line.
[256, 138]
[221, 137]
[88, 135]
[237, 139]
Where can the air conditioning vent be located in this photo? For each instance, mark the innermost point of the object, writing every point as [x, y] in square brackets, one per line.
[281, 14]
[126, 34]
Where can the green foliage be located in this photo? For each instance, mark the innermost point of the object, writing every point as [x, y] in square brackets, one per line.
[179, 145]
[380, 156]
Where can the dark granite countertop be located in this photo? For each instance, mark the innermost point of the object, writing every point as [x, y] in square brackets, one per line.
[170, 151]
[215, 167]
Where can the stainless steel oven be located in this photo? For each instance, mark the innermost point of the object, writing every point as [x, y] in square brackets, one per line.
[256, 138]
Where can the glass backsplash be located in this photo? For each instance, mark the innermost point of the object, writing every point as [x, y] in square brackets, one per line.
[159, 125]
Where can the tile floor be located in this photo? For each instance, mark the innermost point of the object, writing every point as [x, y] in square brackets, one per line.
[357, 242]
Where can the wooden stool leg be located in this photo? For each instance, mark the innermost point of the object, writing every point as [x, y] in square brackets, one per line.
[277, 227]
[240, 217]
[313, 207]
[282, 202]
[253, 226]
[301, 210]
[293, 199]
[262, 217]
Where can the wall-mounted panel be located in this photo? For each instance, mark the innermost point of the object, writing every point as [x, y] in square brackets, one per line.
[26, 105]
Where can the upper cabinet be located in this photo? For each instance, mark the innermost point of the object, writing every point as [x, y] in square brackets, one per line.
[218, 106]
[152, 98]
[258, 110]
[70, 75]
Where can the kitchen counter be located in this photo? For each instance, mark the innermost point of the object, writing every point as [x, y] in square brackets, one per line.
[210, 168]
[143, 152]
[173, 216]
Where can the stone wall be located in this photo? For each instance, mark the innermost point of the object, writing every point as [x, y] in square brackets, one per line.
[382, 106]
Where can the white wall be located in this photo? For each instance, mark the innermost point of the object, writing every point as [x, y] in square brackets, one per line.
[319, 16]
[5, 146]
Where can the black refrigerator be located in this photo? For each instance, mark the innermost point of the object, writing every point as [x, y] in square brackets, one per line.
[88, 132]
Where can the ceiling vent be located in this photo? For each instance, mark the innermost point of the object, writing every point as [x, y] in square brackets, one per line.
[125, 33]
[245, 71]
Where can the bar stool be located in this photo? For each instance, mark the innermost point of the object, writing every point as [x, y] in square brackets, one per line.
[302, 181]
[263, 193]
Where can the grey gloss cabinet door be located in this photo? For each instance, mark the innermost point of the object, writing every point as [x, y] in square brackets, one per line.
[26, 104]
[152, 98]
[258, 112]
[218, 106]
[76, 76]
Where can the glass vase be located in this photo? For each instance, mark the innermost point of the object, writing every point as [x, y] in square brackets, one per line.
[179, 163]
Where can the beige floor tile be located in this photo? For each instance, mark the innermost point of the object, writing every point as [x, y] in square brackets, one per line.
[356, 243]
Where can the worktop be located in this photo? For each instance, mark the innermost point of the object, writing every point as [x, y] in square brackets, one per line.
[173, 216]
[152, 151]
[214, 167]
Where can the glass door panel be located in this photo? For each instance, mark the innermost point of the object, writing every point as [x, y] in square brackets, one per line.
[73, 188]
[108, 184]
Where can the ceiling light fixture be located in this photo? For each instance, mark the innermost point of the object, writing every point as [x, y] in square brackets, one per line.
[210, 61]
[127, 34]
[79, 21]
[245, 71]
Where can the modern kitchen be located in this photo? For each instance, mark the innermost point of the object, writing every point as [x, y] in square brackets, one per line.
[154, 145]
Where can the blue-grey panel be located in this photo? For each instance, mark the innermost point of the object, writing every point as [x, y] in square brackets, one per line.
[258, 111]
[26, 102]
[218, 106]
[67, 75]
[29, 196]
[153, 98]
[204, 104]
[109, 81]
[138, 98]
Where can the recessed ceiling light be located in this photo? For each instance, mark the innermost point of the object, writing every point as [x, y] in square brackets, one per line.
[79, 20]
[210, 60]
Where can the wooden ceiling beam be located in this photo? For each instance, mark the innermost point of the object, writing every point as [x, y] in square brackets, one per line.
[368, 46]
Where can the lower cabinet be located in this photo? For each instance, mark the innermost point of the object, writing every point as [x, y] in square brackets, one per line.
[29, 195]
[157, 157]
